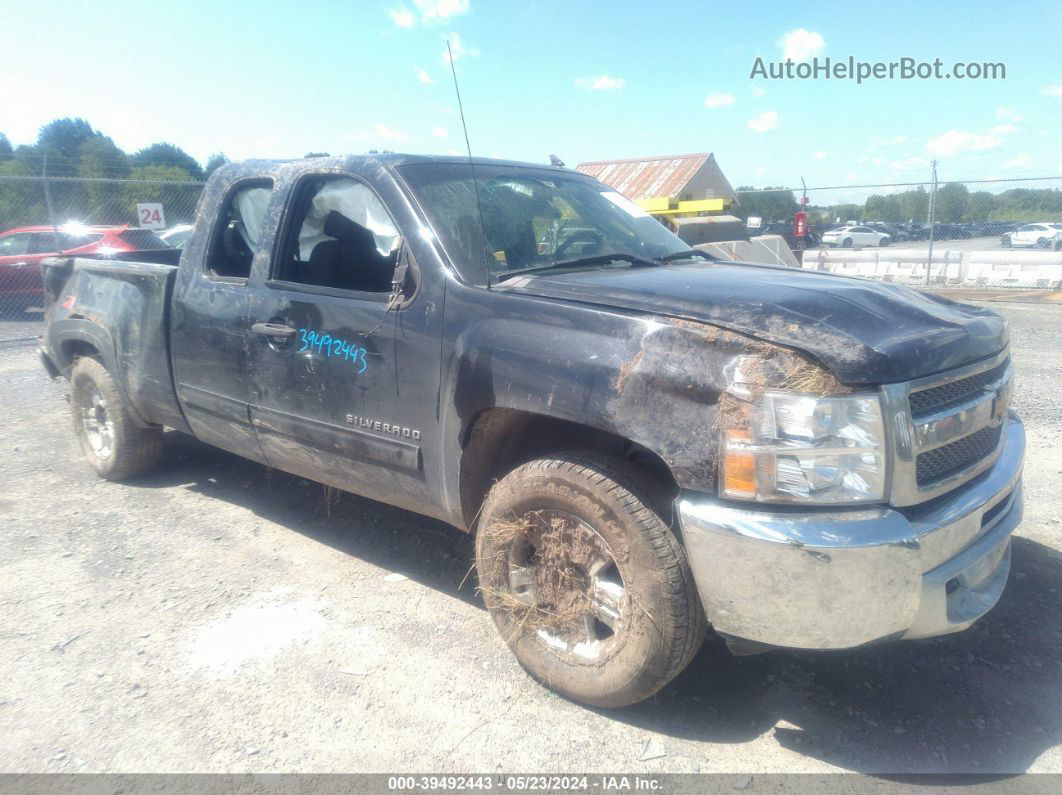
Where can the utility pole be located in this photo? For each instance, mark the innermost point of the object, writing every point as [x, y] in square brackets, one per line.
[932, 214]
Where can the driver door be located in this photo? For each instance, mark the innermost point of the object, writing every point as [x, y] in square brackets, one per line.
[336, 373]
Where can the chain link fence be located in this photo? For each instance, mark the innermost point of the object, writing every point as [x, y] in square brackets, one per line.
[988, 233]
[1000, 233]
[40, 217]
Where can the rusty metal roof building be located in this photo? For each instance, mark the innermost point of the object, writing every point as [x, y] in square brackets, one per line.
[685, 177]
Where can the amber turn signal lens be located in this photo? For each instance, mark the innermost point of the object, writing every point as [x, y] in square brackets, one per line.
[739, 465]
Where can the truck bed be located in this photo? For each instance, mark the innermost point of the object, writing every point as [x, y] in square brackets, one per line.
[123, 307]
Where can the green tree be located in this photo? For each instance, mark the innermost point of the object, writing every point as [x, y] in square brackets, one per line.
[839, 213]
[952, 200]
[99, 162]
[980, 206]
[6, 152]
[60, 141]
[770, 204]
[214, 162]
[882, 208]
[317, 154]
[168, 156]
[914, 205]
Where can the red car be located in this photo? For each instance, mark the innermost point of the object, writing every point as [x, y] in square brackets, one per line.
[22, 249]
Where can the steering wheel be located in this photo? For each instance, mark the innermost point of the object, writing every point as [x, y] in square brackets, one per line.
[583, 234]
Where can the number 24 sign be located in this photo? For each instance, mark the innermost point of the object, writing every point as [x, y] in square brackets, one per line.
[151, 216]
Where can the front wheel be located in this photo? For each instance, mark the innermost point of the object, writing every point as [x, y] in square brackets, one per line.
[846, 243]
[117, 445]
[586, 582]
[884, 242]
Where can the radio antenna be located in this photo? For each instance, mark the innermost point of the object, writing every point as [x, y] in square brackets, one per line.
[471, 163]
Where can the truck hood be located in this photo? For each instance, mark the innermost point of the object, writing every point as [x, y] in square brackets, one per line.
[864, 332]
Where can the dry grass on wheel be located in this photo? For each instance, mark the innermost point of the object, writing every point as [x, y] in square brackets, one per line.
[563, 552]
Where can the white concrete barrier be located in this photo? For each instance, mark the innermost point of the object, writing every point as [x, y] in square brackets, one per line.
[904, 266]
[1009, 268]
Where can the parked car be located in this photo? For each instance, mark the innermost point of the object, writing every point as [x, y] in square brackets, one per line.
[848, 236]
[1042, 235]
[177, 235]
[639, 436]
[22, 249]
[897, 234]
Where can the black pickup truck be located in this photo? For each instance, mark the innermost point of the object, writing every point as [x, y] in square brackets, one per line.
[645, 441]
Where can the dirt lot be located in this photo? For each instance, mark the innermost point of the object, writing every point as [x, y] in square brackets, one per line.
[221, 617]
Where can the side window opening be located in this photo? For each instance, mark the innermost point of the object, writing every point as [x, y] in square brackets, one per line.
[339, 235]
[239, 231]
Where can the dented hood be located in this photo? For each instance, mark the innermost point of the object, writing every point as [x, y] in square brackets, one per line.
[864, 332]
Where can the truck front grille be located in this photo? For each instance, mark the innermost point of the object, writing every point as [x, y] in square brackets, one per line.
[946, 396]
[938, 464]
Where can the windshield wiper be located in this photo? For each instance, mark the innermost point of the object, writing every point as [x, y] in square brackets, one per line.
[596, 259]
[688, 254]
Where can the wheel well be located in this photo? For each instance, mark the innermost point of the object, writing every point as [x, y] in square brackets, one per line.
[499, 440]
[74, 349]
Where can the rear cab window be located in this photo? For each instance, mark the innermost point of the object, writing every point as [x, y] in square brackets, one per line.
[237, 231]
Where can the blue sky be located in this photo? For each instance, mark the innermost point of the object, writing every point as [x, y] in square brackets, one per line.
[584, 80]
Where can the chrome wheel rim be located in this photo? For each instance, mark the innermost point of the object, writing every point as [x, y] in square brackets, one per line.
[97, 423]
[596, 607]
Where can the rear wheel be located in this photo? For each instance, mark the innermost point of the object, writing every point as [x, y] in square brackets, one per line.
[115, 443]
[586, 582]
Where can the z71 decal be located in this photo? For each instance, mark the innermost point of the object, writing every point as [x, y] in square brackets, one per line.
[333, 346]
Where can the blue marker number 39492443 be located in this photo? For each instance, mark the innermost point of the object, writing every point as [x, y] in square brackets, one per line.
[328, 345]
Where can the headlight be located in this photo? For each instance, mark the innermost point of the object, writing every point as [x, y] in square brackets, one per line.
[797, 448]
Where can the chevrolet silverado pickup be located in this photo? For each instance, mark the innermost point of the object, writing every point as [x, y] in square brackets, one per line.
[645, 441]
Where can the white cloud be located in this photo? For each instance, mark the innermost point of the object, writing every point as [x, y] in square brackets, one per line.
[402, 17]
[1004, 129]
[1006, 113]
[430, 11]
[718, 100]
[440, 10]
[879, 141]
[423, 76]
[459, 50]
[600, 83]
[764, 122]
[820, 155]
[1052, 91]
[439, 132]
[801, 45]
[758, 92]
[910, 164]
[390, 133]
[955, 141]
[1019, 160]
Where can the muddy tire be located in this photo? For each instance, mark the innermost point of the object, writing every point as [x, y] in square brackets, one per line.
[585, 580]
[115, 443]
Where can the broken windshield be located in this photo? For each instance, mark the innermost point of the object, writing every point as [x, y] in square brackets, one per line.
[531, 218]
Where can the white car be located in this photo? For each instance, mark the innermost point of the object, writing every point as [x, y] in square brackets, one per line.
[848, 236]
[177, 235]
[1033, 236]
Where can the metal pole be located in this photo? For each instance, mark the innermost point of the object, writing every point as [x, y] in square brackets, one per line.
[48, 204]
[932, 214]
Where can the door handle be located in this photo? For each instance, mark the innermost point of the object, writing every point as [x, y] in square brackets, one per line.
[273, 330]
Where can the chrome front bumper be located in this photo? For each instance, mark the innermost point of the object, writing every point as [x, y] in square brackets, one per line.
[834, 579]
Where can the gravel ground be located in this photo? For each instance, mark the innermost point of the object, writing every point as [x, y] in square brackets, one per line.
[219, 617]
